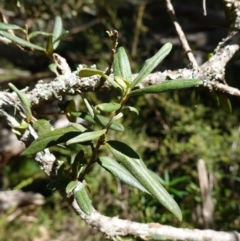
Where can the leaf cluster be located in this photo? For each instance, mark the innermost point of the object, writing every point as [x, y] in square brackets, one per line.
[93, 131]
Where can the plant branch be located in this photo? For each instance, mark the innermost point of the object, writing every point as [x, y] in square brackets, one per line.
[154, 231]
[181, 35]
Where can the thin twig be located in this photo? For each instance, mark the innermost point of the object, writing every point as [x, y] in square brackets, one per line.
[114, 37]
[181, 35]
[204, 8]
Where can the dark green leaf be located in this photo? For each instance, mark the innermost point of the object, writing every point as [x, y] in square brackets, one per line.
[41, 126]
[78, 162]
[82, 198]
[168, 86]
[108, 107]
[50, 139]
[121, 65]
[49, 47]
[86, 136]
[152, 63]
[120, 172]
[71, 186]
[133, 163]
[61, 171]
[20, 41]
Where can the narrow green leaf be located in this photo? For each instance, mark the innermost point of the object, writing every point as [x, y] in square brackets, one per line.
[6, 26]
[120, 172]
[121, 65]
[152, 63]
[57, 31]
[102, 121]
[86, 136]
[20, 41]
[62, 172]
[78, 162]
[71, 186]
[41, 126]
[49, 47]
[168, 86]
[51, 138]
[108, 107]
[133, 163]
[24, 101]
[82, 198]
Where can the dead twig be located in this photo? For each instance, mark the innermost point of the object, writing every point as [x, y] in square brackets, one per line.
[181, 35]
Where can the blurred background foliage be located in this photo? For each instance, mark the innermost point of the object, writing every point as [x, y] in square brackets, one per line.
[172, 132]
